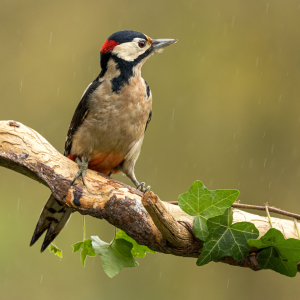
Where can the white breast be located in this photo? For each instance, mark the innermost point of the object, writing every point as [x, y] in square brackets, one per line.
[116, 122]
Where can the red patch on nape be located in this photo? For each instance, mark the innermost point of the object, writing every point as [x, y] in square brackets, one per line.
[108, 45]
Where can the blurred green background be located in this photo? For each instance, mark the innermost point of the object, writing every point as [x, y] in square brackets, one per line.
[226, 111]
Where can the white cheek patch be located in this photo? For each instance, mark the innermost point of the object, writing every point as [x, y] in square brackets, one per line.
[129, 51]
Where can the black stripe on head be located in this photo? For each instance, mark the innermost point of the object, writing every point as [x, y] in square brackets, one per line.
[126, 36]
[126, 69]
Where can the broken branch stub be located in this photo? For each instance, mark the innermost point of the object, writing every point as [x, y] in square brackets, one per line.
[176, 233]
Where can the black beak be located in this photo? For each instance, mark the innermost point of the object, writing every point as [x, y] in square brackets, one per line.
[161, 43]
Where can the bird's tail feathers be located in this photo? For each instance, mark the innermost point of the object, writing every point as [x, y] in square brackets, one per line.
[53, 218]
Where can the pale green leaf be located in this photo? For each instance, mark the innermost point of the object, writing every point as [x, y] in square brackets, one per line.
[87, 250]
[137, 250]
[55, 250]
[115, 256]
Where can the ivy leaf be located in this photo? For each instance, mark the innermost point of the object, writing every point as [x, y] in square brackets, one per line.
[281, 255]
[288, 249]
[55, 250]
[137, 250]
[115, 256]
[87, 250]
[270, 259]
[204, 204]
[227, 239]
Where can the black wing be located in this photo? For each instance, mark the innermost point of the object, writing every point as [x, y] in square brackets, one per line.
[149, 119]
[79, 116]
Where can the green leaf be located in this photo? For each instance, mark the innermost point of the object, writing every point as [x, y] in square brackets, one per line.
[226, 239]
[137, 250]
[55, 250]
[289, 249]
[115, 256]
[87, 250]
[204, 204]
[269, 258]
[281, 255]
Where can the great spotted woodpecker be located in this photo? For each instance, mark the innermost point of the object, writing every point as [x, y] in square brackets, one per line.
[107, 129]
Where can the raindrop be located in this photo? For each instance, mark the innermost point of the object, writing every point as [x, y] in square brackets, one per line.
[173, 114]
[228, 283]
[264, 135]
[41, 278]
[279, 100]
[267, 7]
[160, 275]
[265, 162]
[18, 205]
[21, 86]
[272, 149]
[74, 76]
[225, 29]
[57, 91]
[50, 37]
[270, 184]
[232, 21]
[251, 163]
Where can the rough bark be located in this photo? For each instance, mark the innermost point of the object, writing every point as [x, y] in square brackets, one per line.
[161, 226]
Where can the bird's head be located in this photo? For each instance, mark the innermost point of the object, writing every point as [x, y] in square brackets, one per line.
[129, 49]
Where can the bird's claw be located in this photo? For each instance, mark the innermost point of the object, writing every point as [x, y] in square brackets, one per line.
[141, 187]
[82, 165]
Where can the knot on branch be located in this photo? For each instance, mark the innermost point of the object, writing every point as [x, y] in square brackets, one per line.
[178, 233]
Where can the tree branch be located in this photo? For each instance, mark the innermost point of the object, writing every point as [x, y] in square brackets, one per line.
[256, 207]
[162, 227]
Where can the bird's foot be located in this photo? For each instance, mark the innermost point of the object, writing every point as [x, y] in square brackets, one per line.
[141, 187]
[83, 166]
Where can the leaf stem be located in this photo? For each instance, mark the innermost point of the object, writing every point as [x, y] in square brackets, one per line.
[256, 207]
[83, 223]
[114, 236]
[297, 228]
[269, 217]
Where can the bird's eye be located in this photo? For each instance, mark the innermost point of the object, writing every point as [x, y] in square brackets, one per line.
[142, 44]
